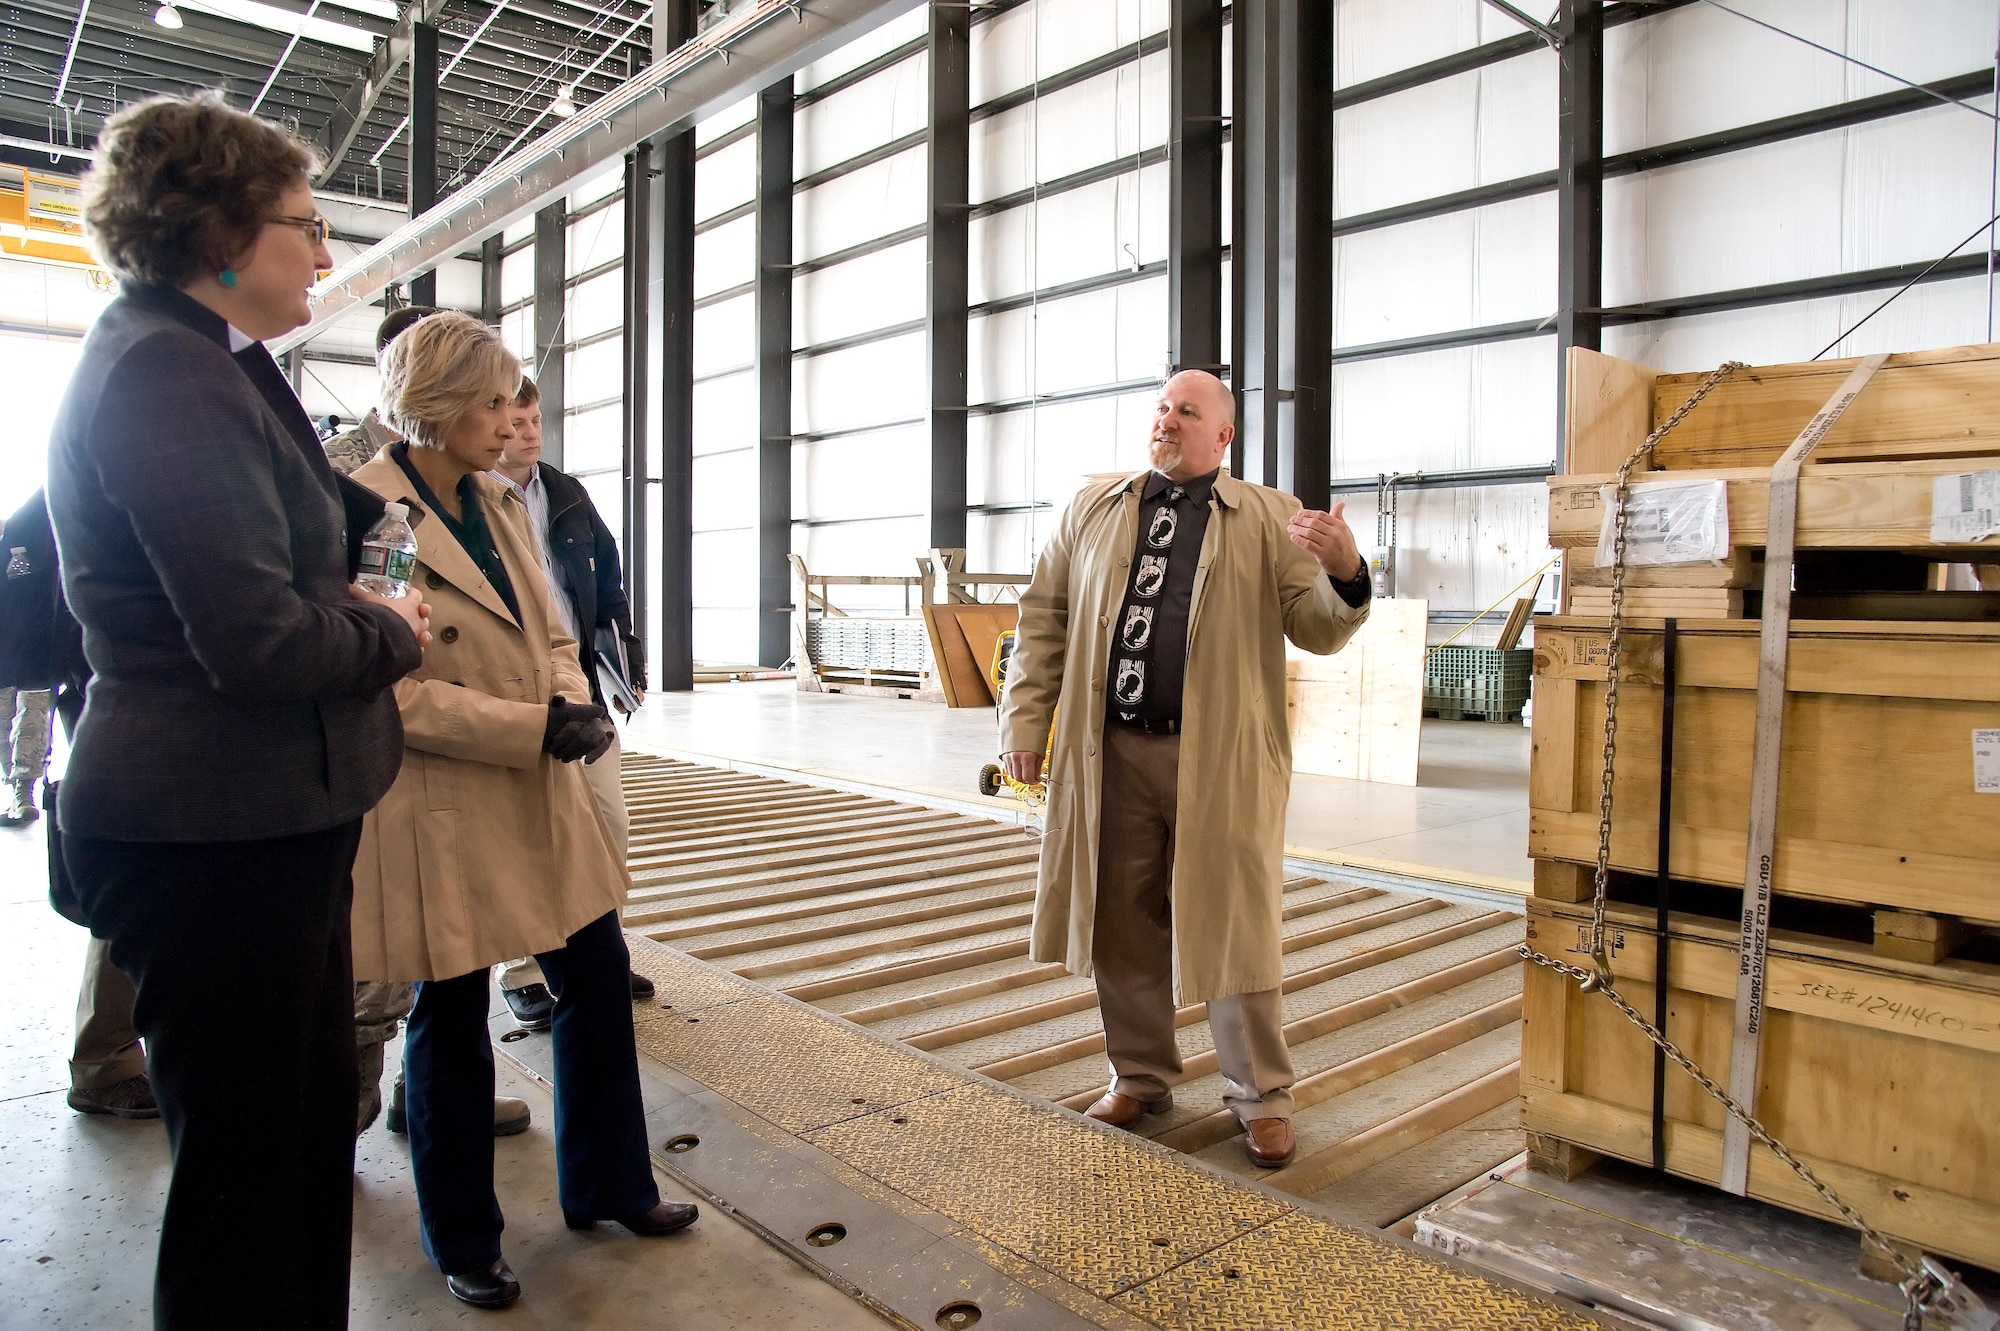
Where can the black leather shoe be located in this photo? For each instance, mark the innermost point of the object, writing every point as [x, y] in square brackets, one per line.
[494, 1289]
[666, 1218]
[641, 987]
[533, 1006]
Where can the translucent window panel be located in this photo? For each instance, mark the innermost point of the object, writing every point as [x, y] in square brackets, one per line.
[1046, 454]
[1006, 542]
[1050, 36]
[595, 372]
[904, 28]
[1935, 314]
[517, 276]
[1463, 270]
[607, 181]
[862, 475]
[887, 546]
[1893, 191]
[1462, 549]
[1698, 70]
[725, 494]
[724, 636]
[874, 291]
[725, 178]
[597, 239]
[872, 384]
[729, 117]
[1491, 124]
[1116, 114]
[517, 330]
[326, 387]
[725, 256]
[880, 198]
[458, 285]
[882, 107]
[595, 441]
[607, 491]
[725, 335]
[1462, 407]
[1082, 233]
[520, 230]
[1376, 37]
[595, 306]
[1102, 337]
[725, 414]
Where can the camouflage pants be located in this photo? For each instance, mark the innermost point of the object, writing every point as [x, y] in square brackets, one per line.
[379, 1008]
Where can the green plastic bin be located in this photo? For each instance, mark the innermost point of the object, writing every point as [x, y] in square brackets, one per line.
[1482, 682]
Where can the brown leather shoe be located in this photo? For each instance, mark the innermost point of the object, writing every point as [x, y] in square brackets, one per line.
[1122, 1111]
[1269, 1141]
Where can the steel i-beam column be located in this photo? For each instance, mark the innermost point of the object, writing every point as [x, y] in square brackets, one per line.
[1305, 464]
[551, 268]
[1579, 193]
[774, 373]
[1257, 177]
[1194, 191]
[949, 259]
[638, 420]
[1281, 285]
[489, 279]
[423, 142]
[673, 220]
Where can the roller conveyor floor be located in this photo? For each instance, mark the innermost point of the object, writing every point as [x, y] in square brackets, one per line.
[911, 923]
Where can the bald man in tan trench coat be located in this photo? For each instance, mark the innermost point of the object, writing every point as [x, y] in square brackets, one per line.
[1162, 863]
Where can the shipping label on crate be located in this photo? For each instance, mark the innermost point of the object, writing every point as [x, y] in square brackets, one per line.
[1965, 507]
[1667, 522]
[1986, 762]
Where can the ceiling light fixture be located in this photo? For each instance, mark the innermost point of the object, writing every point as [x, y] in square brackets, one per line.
[167, 16]
[564, 106]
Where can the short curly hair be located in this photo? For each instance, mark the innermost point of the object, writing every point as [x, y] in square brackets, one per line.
[182, 185]
[440, 368]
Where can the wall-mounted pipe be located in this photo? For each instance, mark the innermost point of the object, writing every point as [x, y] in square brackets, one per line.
[730, 61]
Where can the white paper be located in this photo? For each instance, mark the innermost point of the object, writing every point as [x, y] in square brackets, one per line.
[1668, 522]
[1965, 507]
[1986, 762]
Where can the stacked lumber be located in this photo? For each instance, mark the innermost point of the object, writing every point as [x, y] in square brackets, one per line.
[1881, 1039]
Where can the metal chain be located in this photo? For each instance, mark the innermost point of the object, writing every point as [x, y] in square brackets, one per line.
[1920, 1285]
[1611, 662]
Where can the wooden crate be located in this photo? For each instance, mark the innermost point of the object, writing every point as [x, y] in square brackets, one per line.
[1882, 1076]
[1359, 713]
[1921, 404]
[1877, 801]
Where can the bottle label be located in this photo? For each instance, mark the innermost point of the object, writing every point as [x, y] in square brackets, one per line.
[386, 561]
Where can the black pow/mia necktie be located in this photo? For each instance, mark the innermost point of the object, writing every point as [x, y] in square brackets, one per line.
[1132, 650]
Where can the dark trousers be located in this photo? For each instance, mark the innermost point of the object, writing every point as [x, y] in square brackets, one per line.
[602, 1169]
[240, 955]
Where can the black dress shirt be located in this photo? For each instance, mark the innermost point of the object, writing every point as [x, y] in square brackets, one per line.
[1149, 640]
[470, 528]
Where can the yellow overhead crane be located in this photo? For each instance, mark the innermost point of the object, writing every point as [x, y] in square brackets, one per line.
[41, 217]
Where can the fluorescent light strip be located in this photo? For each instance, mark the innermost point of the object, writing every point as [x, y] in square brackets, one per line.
[273, 19]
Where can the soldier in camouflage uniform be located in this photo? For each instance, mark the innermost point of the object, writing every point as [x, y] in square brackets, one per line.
[381, 1005]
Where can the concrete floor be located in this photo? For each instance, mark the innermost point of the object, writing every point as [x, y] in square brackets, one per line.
[80, 1195]
[1467, 814]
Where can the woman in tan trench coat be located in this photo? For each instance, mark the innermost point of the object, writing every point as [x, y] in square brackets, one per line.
[490, 845]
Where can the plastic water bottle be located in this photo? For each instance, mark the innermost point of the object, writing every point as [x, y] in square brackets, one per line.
[17, 563]
[388, 554]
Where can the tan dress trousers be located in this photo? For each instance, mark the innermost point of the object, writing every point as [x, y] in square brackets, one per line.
[107, 1048]
[1133, 945]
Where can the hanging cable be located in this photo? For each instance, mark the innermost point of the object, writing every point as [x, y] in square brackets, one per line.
[1842, 55]
[1932, 267]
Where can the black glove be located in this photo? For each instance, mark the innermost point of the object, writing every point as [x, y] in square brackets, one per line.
[576, 730]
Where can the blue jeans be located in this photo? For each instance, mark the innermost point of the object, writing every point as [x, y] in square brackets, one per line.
[603, 1171]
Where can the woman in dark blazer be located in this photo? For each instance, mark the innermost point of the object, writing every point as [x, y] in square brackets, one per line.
[239, 722]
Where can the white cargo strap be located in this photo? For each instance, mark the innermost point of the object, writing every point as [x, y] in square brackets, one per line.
[1773, 652]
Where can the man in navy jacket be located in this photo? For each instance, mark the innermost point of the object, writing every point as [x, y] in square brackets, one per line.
[580, 557]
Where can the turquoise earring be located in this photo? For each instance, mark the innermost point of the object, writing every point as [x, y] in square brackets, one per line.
[227, 277]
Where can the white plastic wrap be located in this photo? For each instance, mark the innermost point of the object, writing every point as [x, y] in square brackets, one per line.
[1668, 522]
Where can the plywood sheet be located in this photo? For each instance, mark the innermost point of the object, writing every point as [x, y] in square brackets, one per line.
[962, 639]
[1358, 713]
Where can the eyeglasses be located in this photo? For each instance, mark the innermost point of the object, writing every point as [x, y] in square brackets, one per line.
[316, 227]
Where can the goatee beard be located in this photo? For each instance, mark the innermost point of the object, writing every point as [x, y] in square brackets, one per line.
[1166, 457]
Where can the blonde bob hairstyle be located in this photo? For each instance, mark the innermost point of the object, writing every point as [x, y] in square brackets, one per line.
[439, 369]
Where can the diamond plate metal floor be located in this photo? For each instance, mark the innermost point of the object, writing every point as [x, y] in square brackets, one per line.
[843, 984]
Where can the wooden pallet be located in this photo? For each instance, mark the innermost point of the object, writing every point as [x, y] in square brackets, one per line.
[1878, 805]
[1881, 1075]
